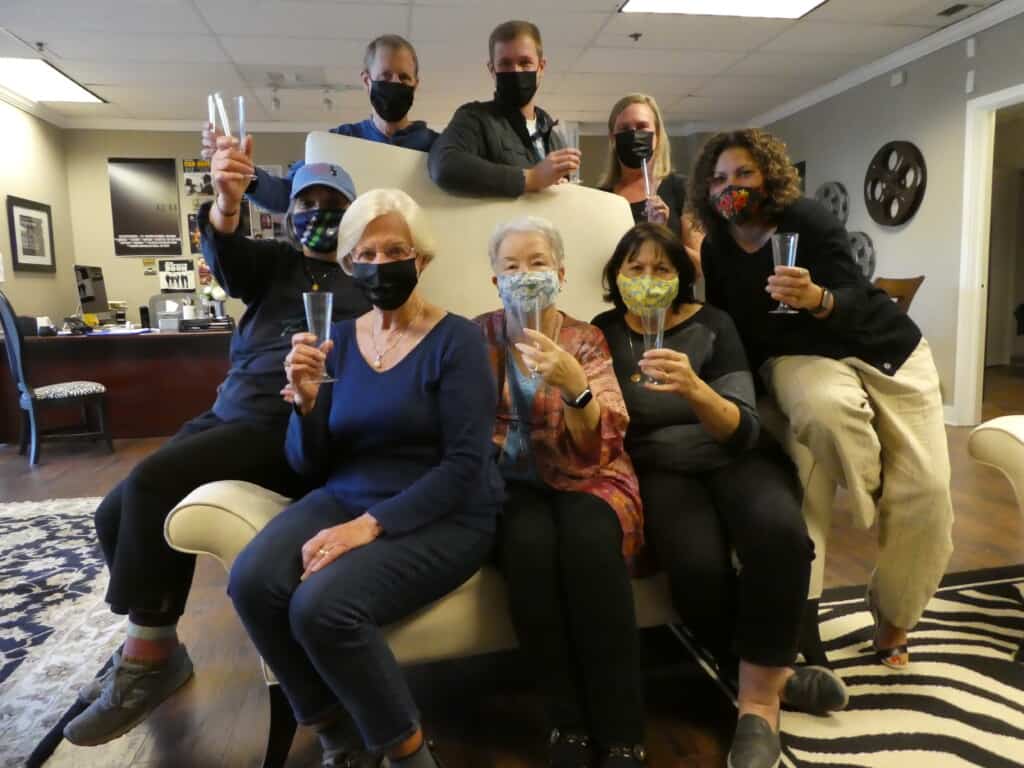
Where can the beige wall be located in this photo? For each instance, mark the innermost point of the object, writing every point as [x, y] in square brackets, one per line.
[32, 166]
[838, 137]
[89, 193]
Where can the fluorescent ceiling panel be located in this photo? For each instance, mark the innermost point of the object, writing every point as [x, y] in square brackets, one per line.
[762, 9]
[38, 80]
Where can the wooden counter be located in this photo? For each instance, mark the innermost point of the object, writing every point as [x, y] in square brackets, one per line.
[155, 381]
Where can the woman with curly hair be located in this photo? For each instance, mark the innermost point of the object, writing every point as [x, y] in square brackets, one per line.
[849, 369]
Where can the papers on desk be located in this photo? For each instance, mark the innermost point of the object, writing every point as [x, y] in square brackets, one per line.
[112, 332]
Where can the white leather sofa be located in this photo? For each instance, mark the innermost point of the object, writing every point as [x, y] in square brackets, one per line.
[220, 518]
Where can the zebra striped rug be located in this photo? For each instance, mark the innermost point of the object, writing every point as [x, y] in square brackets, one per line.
[961, 703]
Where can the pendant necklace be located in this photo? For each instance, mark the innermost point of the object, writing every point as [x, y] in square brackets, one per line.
[378, 361]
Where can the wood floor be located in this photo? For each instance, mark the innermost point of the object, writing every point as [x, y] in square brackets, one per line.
[478, 710]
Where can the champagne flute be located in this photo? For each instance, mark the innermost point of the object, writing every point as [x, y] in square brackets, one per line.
[318, 306]
[784, 255]
[653, 323]
[526, 316]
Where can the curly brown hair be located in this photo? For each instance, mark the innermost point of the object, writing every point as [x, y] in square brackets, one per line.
[781, 180]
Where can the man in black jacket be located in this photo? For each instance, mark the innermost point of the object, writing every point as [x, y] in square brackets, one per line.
[505, 147]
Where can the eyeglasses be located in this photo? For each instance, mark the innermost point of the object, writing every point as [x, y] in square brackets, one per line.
[393, 252]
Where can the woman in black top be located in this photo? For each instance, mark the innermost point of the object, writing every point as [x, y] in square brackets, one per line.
[850, 370]
[637, 135]
[707, 489]
[241, 437]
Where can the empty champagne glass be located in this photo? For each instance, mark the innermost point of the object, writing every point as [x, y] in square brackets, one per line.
[318, 306]
[653, 322]
[784, 255]
[523, 316]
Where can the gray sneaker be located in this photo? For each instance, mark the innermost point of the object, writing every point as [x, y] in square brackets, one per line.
[815, 690]
[127, 698]
[755, 744]
[91, 690]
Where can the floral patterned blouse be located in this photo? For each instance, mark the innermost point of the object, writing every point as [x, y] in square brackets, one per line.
[605, 472]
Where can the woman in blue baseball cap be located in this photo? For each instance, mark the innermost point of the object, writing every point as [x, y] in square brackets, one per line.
[241, 437]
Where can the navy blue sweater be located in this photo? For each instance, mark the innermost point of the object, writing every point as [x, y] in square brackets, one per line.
[412, 444]
[270, 277]
[273, 193]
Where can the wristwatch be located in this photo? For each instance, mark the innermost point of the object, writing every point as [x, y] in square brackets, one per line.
[825, 302]
[581, 400]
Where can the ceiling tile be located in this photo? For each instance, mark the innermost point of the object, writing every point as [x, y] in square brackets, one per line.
[797, 64]
[34, 20]
[594, 6]
[658, 62]
[125, 49]
[152, 73]
[690, 32]
[740, 88]
[72, 109]
[475, 23]
[923, 13]
[349, 21]
[273, 52]
[440, 57]
[838, 38]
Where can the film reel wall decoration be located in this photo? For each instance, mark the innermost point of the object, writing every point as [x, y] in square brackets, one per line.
[895, 183]
[863, 251]
[833, 195]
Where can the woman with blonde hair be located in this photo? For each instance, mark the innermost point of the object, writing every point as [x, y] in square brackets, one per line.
[409, 499]
[639, 168]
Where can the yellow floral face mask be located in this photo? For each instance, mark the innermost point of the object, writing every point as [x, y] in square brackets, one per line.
[647, 293]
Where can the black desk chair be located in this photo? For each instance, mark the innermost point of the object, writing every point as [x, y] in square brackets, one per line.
[89, 395]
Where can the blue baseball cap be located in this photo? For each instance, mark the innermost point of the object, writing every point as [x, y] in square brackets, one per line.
[324, 175]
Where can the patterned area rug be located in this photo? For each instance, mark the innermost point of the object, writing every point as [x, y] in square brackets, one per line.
[55, 628]
[961, 703]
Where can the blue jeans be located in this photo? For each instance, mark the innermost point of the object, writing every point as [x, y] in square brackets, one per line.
[322, 637]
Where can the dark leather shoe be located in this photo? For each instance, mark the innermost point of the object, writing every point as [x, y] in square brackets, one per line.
[755, 744]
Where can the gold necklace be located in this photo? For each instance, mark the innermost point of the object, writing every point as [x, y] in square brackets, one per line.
[378, 361]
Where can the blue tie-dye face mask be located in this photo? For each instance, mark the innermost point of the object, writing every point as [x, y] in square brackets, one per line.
[317, 229]
[533, 290]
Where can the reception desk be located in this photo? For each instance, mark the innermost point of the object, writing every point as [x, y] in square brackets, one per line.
[155, 381]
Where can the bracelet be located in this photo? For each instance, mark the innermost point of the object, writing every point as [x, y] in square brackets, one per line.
[824, 305]
[216, 201]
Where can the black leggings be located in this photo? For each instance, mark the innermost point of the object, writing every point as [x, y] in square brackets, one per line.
[149, 580]
[752, 506]
[572, 606]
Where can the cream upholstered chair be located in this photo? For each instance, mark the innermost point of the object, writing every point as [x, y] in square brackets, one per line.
[999, 443]
[219, 519]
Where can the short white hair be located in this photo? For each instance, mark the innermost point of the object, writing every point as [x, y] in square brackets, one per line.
[528, 225]
[370, 206]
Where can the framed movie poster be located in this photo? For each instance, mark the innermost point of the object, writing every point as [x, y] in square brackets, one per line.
[31, 229]
[144, 205]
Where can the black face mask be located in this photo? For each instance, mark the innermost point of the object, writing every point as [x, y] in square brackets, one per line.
[633, 147]
[515, 89]
[386, 286]
[392, 101]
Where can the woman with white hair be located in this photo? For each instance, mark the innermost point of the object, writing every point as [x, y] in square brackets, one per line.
[408, 510]
[572, 516]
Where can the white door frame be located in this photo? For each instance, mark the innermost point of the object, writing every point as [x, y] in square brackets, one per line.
[972, 307]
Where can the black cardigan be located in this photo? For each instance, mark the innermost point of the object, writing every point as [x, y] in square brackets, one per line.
[865, 323]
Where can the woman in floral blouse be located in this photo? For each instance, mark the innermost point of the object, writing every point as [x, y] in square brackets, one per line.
[572, 518]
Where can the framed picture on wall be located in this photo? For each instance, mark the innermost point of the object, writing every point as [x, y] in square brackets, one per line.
[31, 228]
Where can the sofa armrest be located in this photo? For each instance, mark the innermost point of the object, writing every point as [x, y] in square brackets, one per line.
[220, 518]
[999, 443]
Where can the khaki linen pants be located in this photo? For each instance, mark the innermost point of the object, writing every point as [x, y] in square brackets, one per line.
[883, 439]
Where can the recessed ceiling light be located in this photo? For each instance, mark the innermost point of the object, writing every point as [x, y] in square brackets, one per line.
[38, 80]
[764, 9]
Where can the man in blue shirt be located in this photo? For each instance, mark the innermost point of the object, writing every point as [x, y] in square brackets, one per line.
[391, 74]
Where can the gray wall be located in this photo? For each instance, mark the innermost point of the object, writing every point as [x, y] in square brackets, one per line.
[838, 137]
[33, 166]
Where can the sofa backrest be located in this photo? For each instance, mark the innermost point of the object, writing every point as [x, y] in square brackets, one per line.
[459, 279]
